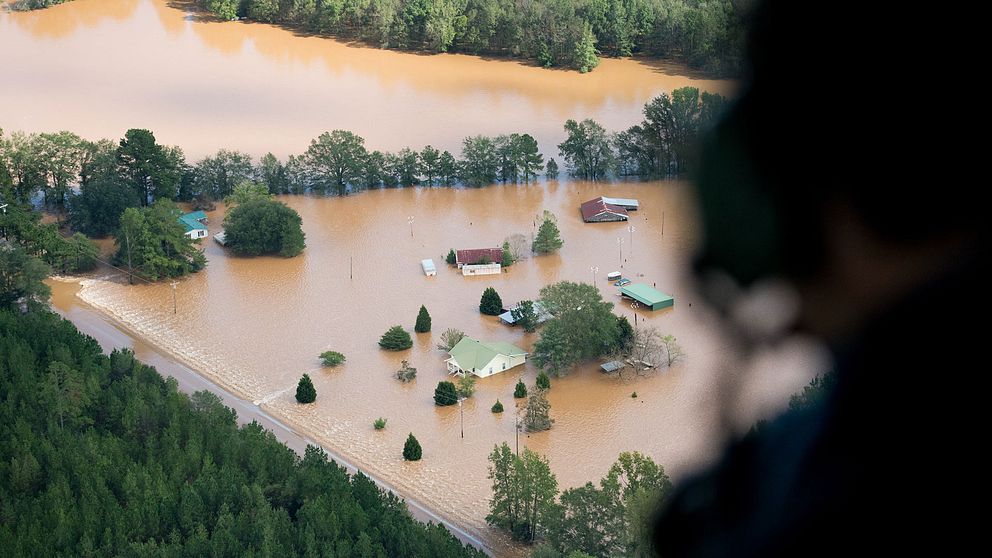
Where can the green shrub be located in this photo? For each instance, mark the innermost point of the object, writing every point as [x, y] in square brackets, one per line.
[497, 407]
[445, 394]
[331, 358]
[379, 423]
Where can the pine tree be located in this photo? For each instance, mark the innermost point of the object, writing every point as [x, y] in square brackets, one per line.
[445, 394]
[396, 339]
[507, 254]
[521, 390]
[548, 237]
[451, 259]
[305, 392]
[551, 171]
[423, 321]
[490, 304]
[543, 381]
[411, 449]
[497, 407]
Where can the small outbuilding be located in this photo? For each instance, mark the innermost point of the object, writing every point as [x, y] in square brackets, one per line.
[652, 298]
[484, 359]
[598, 211]
[428, 266]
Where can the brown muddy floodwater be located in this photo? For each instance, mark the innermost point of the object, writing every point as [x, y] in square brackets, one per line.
[255, 325]
[99, 67]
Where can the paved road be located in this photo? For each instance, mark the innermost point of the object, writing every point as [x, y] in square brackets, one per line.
[110, 336]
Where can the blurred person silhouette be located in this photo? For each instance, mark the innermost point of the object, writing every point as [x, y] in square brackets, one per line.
[832, 191]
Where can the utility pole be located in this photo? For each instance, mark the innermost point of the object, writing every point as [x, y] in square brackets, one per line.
[462, 413]
[594, 269]
[410, 220]
[175, 309]
[632, 231]
[351, 267]
[662, 223]
[130, 269]
[516, 428]
[620, 244]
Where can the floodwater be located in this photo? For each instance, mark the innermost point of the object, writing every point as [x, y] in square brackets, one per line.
[99, 67]
[255, 325]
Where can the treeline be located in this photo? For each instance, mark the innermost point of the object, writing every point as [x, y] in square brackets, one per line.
[705, 34]
[101, 456]
[663, 144]
[137, 170]
[24, 5]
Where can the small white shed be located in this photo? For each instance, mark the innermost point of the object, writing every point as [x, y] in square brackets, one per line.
[429, 269]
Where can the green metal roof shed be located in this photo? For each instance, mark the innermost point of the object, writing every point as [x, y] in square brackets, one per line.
[652, 298]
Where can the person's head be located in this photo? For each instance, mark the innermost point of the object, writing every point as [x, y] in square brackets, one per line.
[820, 176]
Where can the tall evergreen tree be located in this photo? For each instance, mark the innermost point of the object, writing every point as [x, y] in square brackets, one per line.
[548, 238]
[490, 304]
[423, 324]
[411, 449]
[305, 392]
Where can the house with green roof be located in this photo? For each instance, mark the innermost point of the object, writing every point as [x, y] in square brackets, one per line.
[483, 358]
[194, 223]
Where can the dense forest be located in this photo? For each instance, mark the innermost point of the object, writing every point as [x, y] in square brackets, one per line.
[705, 34]
[101, 456]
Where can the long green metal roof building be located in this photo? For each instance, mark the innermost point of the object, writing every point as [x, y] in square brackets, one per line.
[652, 298]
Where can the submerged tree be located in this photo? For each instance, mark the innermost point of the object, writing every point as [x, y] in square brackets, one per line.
[548, 238]
[445, 394]
[520, 390]
[406, 373]
[331, 358]
[396, 339]
[305, 392]
[490, 304]
[423, 324]
[524, 491]
[450, 338]
[538, 415]
[411, 449]
[264, 226]
[153, 242]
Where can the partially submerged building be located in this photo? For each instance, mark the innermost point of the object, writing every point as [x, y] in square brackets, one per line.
[484, 358]
[195, 224]
[479, 261]
[652, 298]
[598, 211]
[540, 313]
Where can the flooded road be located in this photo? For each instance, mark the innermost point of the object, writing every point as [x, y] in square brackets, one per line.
[99, 67]
[255, 325]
